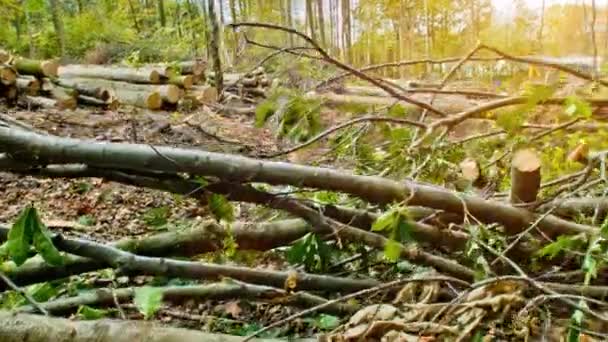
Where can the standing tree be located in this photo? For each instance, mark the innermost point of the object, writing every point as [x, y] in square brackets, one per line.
[58, 24]
[214, 45]
[161, 13]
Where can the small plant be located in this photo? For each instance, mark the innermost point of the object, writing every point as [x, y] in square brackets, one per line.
[310, 251]
[148, 300]
[395, 222]
[157, 217]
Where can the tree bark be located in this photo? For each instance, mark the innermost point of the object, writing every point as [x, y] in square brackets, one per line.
[141, 157]
[161, 13]
[168, 92]
[87, 88]
[214, 34]
[143, 75]
[8, 75]
[525, 176]
[321, 20]
[28, 85]
[38, 68]
[58, 25]
[34, 328]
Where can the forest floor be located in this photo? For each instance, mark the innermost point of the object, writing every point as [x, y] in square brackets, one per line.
[107, 211]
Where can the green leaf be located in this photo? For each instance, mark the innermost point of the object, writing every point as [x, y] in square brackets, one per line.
[48, 251]
[86, 312]
[221, 208]
[148, 300]
[562, 243]
[397, 111]
[385, 221]
[577, 107]
[21, 235]
[157, 217]
[604, 229]
[403, 232]
[392, 250]
[311, 251]
[327, 322]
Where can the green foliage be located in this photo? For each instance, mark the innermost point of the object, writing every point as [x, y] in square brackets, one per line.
[86, 312]
[221, 208]
[397, 111]
[294, 116]
[326, 322]
[577, 107]
[563, 243]
[157, 217]
[148, 300]
[310, 251]
[28, 231]
[396, 222]
[83, 187]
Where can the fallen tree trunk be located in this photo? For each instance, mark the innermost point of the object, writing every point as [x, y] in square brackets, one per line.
[196, 68]
[143, 75]
[374, 91]
[141, 157]
[37, 68]
[34, 328]
[451, 105]
[28, 85]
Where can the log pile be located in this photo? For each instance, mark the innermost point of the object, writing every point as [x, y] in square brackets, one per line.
[44, 83]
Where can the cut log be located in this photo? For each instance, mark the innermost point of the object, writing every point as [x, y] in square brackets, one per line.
[65, 97]
[204, 94]
[28, 85]
[8, 92]
[525, 176]
[142, 99]
[8, 75]
[42, 102]
[168, 92]
[38, 68]
[84, 88]
[109, 104]
[4, 56]
[184, 81]
[580, 154]
[469, 169]
[196, 68]
[143, 75]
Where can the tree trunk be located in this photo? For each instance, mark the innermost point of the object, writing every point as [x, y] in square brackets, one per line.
[8, 75]
[84, 88]
[310, 19]
[183, 81]
[28, 85]
[347, 31]
[133, 15]
[58, 24]
[321, 19]
[161, 13]
[214, 33]
[525, 177]
[289, 10]
[168, 92]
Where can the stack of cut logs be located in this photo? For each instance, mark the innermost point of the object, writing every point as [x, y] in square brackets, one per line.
[246, 87]
[47, 84]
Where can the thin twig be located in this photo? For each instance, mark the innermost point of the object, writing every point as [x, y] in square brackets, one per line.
[24, 293]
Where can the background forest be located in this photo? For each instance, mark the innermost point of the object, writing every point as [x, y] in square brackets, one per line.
[361, 32]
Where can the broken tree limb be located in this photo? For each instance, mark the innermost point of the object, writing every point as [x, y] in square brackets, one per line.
[572, 207]
[452, 105]
[34, 328]
[126, 74]
[140, 157]
[215, 291]
[525, 176]
[190, 242]
[37, 68]
[132, 263]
